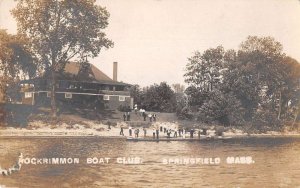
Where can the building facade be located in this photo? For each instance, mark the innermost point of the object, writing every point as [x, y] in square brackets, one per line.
[85, 87]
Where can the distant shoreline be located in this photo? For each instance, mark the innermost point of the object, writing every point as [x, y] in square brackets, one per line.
[113, 133]
[72, 126]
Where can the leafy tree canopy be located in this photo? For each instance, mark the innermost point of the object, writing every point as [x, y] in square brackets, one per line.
[15, 58]
[59, 30]
[160, 98]
[257, 78]
[62, 30]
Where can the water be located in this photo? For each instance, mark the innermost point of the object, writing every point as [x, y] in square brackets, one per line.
[277, 163]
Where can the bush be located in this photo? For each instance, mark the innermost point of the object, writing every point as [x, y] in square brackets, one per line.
[184, 113]
[266, 120]
[220, 130]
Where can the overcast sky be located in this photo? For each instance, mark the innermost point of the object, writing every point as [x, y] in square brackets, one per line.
[154, 38]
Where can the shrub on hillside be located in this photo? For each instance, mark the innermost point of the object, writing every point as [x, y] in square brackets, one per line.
[184, 113]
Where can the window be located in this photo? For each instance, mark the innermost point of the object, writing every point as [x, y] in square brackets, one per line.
[28, 94]
[72, 86]
[106, 97]
[48, 94]
[121, 98]
[68, 95]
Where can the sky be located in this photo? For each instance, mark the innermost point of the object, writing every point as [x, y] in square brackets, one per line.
[153, 39]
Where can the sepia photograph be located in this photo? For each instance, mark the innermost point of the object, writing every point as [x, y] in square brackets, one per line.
[149, 93]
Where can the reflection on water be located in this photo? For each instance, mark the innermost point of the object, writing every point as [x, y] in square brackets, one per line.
[276, 163]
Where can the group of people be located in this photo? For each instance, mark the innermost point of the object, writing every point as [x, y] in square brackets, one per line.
[126, 116]
[181, 132]
[133, 130]
[155, 133]
[152, 117]
[142, 113]
[168, 132]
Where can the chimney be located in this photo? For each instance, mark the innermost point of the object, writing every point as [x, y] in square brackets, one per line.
[115, 71]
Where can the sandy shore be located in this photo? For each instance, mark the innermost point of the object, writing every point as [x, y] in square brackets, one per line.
[92, 129]
[63, 130]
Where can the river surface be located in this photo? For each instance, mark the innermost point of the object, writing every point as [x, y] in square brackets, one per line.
[275, 163]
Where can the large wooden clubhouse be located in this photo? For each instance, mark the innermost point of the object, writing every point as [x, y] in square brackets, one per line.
[84, 86]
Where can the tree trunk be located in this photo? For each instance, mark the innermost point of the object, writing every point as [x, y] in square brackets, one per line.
[295, 119]
[286, 111]
[279, 110]
[53, 94]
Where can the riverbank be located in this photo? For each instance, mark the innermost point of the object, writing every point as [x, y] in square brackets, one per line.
[73, 125]
[99, 129]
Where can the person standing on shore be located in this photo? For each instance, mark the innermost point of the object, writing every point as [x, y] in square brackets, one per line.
[130, 131]
[128, 116]
[150, 117]
[153, 130]
[175, 134]
[157, 133]
[124, 116]
[169, 133]
[145, 132]
[135, 109]
[141, 112]
[144, 115]
[154, 117]
[121, 132]
[192, 133]
[183, 133]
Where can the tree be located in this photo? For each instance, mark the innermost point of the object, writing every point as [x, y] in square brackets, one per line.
[271, 72]
[15, 59]
[159, 98]
[62, 30]
[291, 93]
[178, 88]
[204, 74]
[136, 93]
[223, 108]
[258, 79]
[203, 71]
[240, 80]
[16, 62]
[196, 97]
[263, 78]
